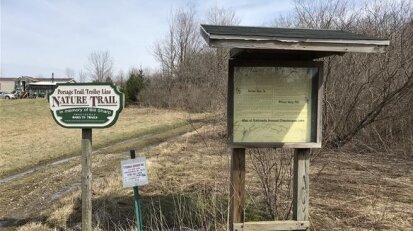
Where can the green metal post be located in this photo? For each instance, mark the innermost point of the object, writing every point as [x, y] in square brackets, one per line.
[138, 210]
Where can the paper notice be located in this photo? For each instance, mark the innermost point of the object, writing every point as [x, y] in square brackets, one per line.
[134, 172]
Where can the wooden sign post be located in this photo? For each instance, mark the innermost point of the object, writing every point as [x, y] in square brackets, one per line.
[86, 183]
[301, 184]
[237, 186]
[86, 106]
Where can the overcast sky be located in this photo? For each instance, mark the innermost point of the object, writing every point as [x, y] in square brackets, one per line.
[39, 37]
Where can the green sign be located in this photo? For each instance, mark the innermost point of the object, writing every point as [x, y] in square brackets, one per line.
[84, 105]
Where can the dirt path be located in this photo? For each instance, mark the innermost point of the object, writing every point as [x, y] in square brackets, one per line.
[25, 194]
[61, 161]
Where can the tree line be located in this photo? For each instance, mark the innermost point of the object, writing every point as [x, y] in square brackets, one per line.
[367, 97]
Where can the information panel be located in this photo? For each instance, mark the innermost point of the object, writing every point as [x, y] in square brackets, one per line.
[274, 104]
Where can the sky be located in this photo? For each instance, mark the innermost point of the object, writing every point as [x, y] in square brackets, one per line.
[39, 37]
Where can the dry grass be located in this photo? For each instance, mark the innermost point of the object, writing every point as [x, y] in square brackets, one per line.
[189, 188]
[29, 135]
[35, 227]
[362, 191]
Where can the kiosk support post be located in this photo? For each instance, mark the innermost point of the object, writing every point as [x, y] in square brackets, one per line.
[86, 179]
[301, 193]
[237, 187]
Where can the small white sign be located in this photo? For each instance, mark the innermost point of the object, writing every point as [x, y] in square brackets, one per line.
[134, 172]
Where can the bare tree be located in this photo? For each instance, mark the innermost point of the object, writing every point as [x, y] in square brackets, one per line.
[325, 14]
[82, 76]
[274, 170]
[362, 91]
[192, 75]
[222, 16]
[120, 78]
[100, 65]
[320, 14]
[70, 73]
[218, 66]
[181, 42]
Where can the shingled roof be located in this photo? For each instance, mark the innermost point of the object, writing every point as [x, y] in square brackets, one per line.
[290, 39]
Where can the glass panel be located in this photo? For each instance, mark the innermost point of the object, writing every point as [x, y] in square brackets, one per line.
[273, 104]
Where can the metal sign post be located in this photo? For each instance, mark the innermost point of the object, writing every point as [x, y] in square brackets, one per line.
[134, 174]
[138, 210]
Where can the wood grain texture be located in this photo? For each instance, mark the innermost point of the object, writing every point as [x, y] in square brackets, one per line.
[86, 179]
[271, 225]
[237, 187]
[301, 193]
[303, 46]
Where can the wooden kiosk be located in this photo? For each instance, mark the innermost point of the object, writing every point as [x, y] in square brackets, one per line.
[275, 91]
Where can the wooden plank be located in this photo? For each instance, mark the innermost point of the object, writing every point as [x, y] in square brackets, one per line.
[86, 179]
[237, 187]
[279, 55]
[301, 193]
[296, 39]
[235, 52]
[230, 100]
[272, 225]
[275, 145]
[205, 34]
[320, 106]
[304, 46]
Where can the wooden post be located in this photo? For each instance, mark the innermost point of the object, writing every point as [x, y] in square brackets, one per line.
[237, 187]
[301, 194]
[86, 179]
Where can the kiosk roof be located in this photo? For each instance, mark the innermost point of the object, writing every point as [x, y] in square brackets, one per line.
[290, 39]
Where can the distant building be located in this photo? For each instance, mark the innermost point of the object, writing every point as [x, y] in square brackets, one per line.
[30, 86]
[7, 84]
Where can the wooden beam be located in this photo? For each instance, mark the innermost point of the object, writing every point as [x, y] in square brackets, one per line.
[86, 179]
[303, 46]
[282, 55]
[237, 187]
[382, 42]
[235, 52]
[275, 145]
[271, 225]
[301, 193]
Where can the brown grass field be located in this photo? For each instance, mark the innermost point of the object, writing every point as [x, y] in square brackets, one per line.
[30, 136]
[188, 184]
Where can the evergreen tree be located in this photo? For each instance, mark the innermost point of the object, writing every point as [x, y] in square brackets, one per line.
[134, 85]
[108, 80]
